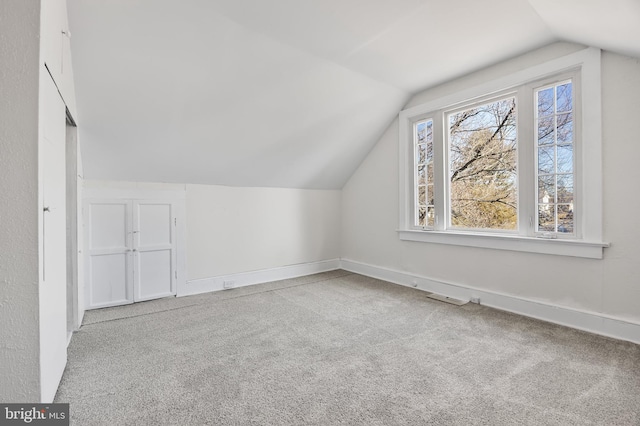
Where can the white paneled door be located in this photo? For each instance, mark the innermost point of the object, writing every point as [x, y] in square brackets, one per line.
[131, 251]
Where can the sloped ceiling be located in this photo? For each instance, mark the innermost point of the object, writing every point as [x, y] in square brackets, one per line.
[288, 93]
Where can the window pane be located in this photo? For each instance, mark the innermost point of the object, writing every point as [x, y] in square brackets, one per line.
[565, 189]
[421, 176]
[546, 218]
[430, 172]
[565, 218]
[482, 166]
[546, 128]
[564, 97]
[565, 128]
[565, 159]
[546, 189]
[429, 140]
[430, 216]
[430, 195]
[545, 102]
[421, 195]
[429, 131]
[421, 132]
[546, 157]
[422, 153]
[422, 214]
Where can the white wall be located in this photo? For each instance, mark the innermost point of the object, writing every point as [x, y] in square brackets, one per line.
[621, 148]
[232, 230]
[608, 287]
[19, 73]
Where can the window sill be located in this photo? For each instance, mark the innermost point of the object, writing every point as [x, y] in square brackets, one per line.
[558, 247]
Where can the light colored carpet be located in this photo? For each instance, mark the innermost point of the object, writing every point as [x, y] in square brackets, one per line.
[339, 348]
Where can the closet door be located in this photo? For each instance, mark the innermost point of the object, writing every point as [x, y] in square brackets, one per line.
[109, 269]
[154, 249]
[52, 298]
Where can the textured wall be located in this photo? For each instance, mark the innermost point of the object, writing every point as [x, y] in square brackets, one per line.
[609, 287]
[19, 348]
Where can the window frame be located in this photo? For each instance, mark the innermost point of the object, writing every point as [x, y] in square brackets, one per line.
[583, 68]
[574, 77]
[415, 166]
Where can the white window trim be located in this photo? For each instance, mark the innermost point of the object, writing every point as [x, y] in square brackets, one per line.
[577, 150]
[590, 242]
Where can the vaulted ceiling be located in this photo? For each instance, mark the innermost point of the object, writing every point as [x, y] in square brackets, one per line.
[289, 93]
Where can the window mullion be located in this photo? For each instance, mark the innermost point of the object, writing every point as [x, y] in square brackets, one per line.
[526, 163]
[440, 172]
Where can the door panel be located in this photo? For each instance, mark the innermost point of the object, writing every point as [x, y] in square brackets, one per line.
[154, 250]
[109, 272]
[109, 226]
[154, 274]
[108, 279]
[154, 224]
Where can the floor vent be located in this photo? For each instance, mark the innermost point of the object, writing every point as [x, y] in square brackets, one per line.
[448, 299]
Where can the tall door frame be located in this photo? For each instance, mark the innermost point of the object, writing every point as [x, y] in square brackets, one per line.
[133, 248]
[75, 307]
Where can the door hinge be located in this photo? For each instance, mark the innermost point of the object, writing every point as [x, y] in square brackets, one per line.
[175, 221]
[176, 274]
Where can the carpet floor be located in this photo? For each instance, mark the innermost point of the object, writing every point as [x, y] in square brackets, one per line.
[341, 349]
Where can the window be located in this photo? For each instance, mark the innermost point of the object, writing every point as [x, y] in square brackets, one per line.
[509, 165]
[555, 147]
[424, 172]
[482, 167]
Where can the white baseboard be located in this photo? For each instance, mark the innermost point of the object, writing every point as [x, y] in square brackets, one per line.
[581, 320]
[243, 279]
